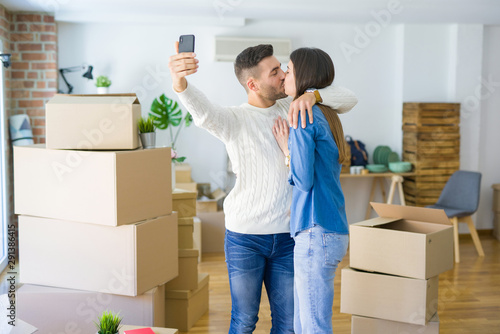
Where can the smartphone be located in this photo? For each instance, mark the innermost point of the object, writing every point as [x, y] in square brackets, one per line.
[186, 43]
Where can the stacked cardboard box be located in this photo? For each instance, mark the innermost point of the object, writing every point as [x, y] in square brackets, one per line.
[183, 178]
[96, 229]
[395, 260]
[186, 296]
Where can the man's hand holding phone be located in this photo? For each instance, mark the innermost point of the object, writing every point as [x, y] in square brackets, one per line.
[181, 65]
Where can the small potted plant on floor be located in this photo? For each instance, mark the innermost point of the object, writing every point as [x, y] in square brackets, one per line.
[147, 131]
[109, 323]
[102, 84]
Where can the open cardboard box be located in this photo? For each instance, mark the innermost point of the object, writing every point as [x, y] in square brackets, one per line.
[405, 241]
[388, 297]
[93, 122]
[125, 260]
[98, 187]
[58, 310]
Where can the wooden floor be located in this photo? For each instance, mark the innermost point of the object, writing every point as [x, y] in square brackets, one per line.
[469, 295]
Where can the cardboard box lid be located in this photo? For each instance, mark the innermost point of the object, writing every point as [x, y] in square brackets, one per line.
[116, 99]
[390, 212]
[185, 221]
[186, 252]
[183, 194]
[496, 186]
[203, 279]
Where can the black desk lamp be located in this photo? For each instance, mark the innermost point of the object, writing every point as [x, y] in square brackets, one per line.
[5, 58]
[87, 74]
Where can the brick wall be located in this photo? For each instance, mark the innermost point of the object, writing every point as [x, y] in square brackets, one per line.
[31, 80]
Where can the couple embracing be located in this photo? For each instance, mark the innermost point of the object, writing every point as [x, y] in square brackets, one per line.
[286, 224]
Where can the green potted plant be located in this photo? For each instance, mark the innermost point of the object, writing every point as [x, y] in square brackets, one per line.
[109, 323]
[102, 83]
[166, 114]
[147, 132]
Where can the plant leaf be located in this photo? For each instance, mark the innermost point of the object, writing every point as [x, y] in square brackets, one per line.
[165, 112]
[188, 119]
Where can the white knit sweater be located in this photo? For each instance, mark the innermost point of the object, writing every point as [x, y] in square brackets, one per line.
[260, 200]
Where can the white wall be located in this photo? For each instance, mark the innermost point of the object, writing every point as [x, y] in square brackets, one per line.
[489, 157]
[382, 72]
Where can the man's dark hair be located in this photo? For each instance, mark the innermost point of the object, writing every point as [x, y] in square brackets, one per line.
[248, 59]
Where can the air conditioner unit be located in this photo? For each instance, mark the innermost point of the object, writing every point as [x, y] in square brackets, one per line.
[227, 48]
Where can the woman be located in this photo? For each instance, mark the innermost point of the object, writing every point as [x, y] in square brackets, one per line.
[318, 219]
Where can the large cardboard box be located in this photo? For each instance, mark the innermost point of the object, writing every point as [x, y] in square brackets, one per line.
[184, 202]
[188, 271]
[92, 122]
[124, 260]
[100, 187]
[156, 330]
[388, 297]
[58, 310]
[184, 307]
[405, 241]
[186, 229]
[363, 325]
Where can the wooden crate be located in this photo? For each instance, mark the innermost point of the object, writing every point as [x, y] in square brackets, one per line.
[432, 115]
[431, 142]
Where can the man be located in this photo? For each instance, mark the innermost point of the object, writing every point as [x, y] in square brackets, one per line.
[258, 245]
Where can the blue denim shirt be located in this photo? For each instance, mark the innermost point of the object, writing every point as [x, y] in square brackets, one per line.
[315, 174]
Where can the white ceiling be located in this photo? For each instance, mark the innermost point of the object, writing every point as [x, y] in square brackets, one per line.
[237, 12]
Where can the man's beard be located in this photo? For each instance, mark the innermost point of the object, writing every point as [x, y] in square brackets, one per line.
[273, 94]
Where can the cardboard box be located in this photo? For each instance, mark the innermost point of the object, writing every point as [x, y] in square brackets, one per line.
[93, 122]
[188, 271]
[100, 187]
[188, 186]
[58, 310]
[156, 330]
[363, 325]
[405, 241]
[183, 173]
[124, 260]
[184, 202]
[184, 307]
[197, 236]
[209, 205]
[186, 229]
[387, 297]
[214, 230]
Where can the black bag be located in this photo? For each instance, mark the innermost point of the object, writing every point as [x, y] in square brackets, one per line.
[359, 155]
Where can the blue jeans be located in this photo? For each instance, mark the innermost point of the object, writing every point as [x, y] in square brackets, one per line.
[317, 254]
[252, 260]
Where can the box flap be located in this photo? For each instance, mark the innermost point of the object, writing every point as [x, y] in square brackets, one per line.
[62, 99]
[185, 221]
[183, 194]
[203, 279]
[376, 221]
[427, 215]
[189, 253]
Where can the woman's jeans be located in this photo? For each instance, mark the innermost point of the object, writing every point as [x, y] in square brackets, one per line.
[252, 260]
[316, 257]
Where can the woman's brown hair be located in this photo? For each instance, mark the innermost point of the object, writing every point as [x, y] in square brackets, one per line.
[314, 69]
